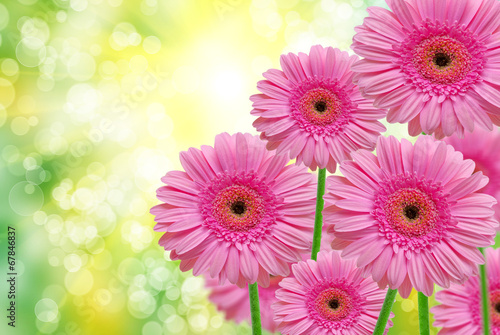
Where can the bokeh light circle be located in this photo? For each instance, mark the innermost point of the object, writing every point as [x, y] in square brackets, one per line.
[20, 125]
[25, 198]
[31, 51]
[151, 45]
[175, 325]
[46, 310]
[72, 262]
[47, 327]
[9, 66]
[36, 175]
[198, 318]
[103, 297]
[40, 218]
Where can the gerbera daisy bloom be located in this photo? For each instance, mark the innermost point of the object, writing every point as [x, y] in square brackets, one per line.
[433, 63]
[483, 148]
[328, 296]
[460, 312]
[313, 111]
[235, 301]
[238, 211]
[410, 215]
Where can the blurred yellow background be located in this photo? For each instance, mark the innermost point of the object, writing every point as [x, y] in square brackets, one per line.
[97, 99]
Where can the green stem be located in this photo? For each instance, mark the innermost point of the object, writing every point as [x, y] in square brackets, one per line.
[423, 314]
[318, 219]
[385, 312]
[253, 292]
[484, 296]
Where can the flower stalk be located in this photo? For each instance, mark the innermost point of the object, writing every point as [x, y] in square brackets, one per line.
[253, 291]
[484, 296]
[423, 314]
[385, 312]
[318, 219]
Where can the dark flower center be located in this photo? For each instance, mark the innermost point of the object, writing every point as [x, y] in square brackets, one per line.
[497, 307]
[238, 207]
[441, 60]
[333, 304]
[320, 107]
[411, 212]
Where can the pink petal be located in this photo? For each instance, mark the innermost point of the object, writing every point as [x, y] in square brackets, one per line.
[396, 271]
[357, 177]
[218, 260]
[192, 240]
[411, 107]
[291, 67]
[232, 266]
[404, 289]
[489, 93]
[381, 264]
[186, 224]
[278, 78]
[448, 118]
[388, 150]
[203, 262]
[225, 152]
[248, 264]
[430, 115]
[394, 98]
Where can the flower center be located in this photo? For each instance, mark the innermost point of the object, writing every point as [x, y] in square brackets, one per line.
[333, 304]
[442, 60]
[239, 207]
[411, 212]
[320, 106]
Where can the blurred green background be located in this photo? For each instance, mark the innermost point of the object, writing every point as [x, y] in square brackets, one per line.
[97, 98]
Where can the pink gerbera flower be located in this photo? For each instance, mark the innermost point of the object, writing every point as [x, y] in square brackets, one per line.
[460, 312]
[483, 148]
[328, 297]
[411, 216]
[238, 211]
[235, 301]
[433, 63]
[313, 111]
